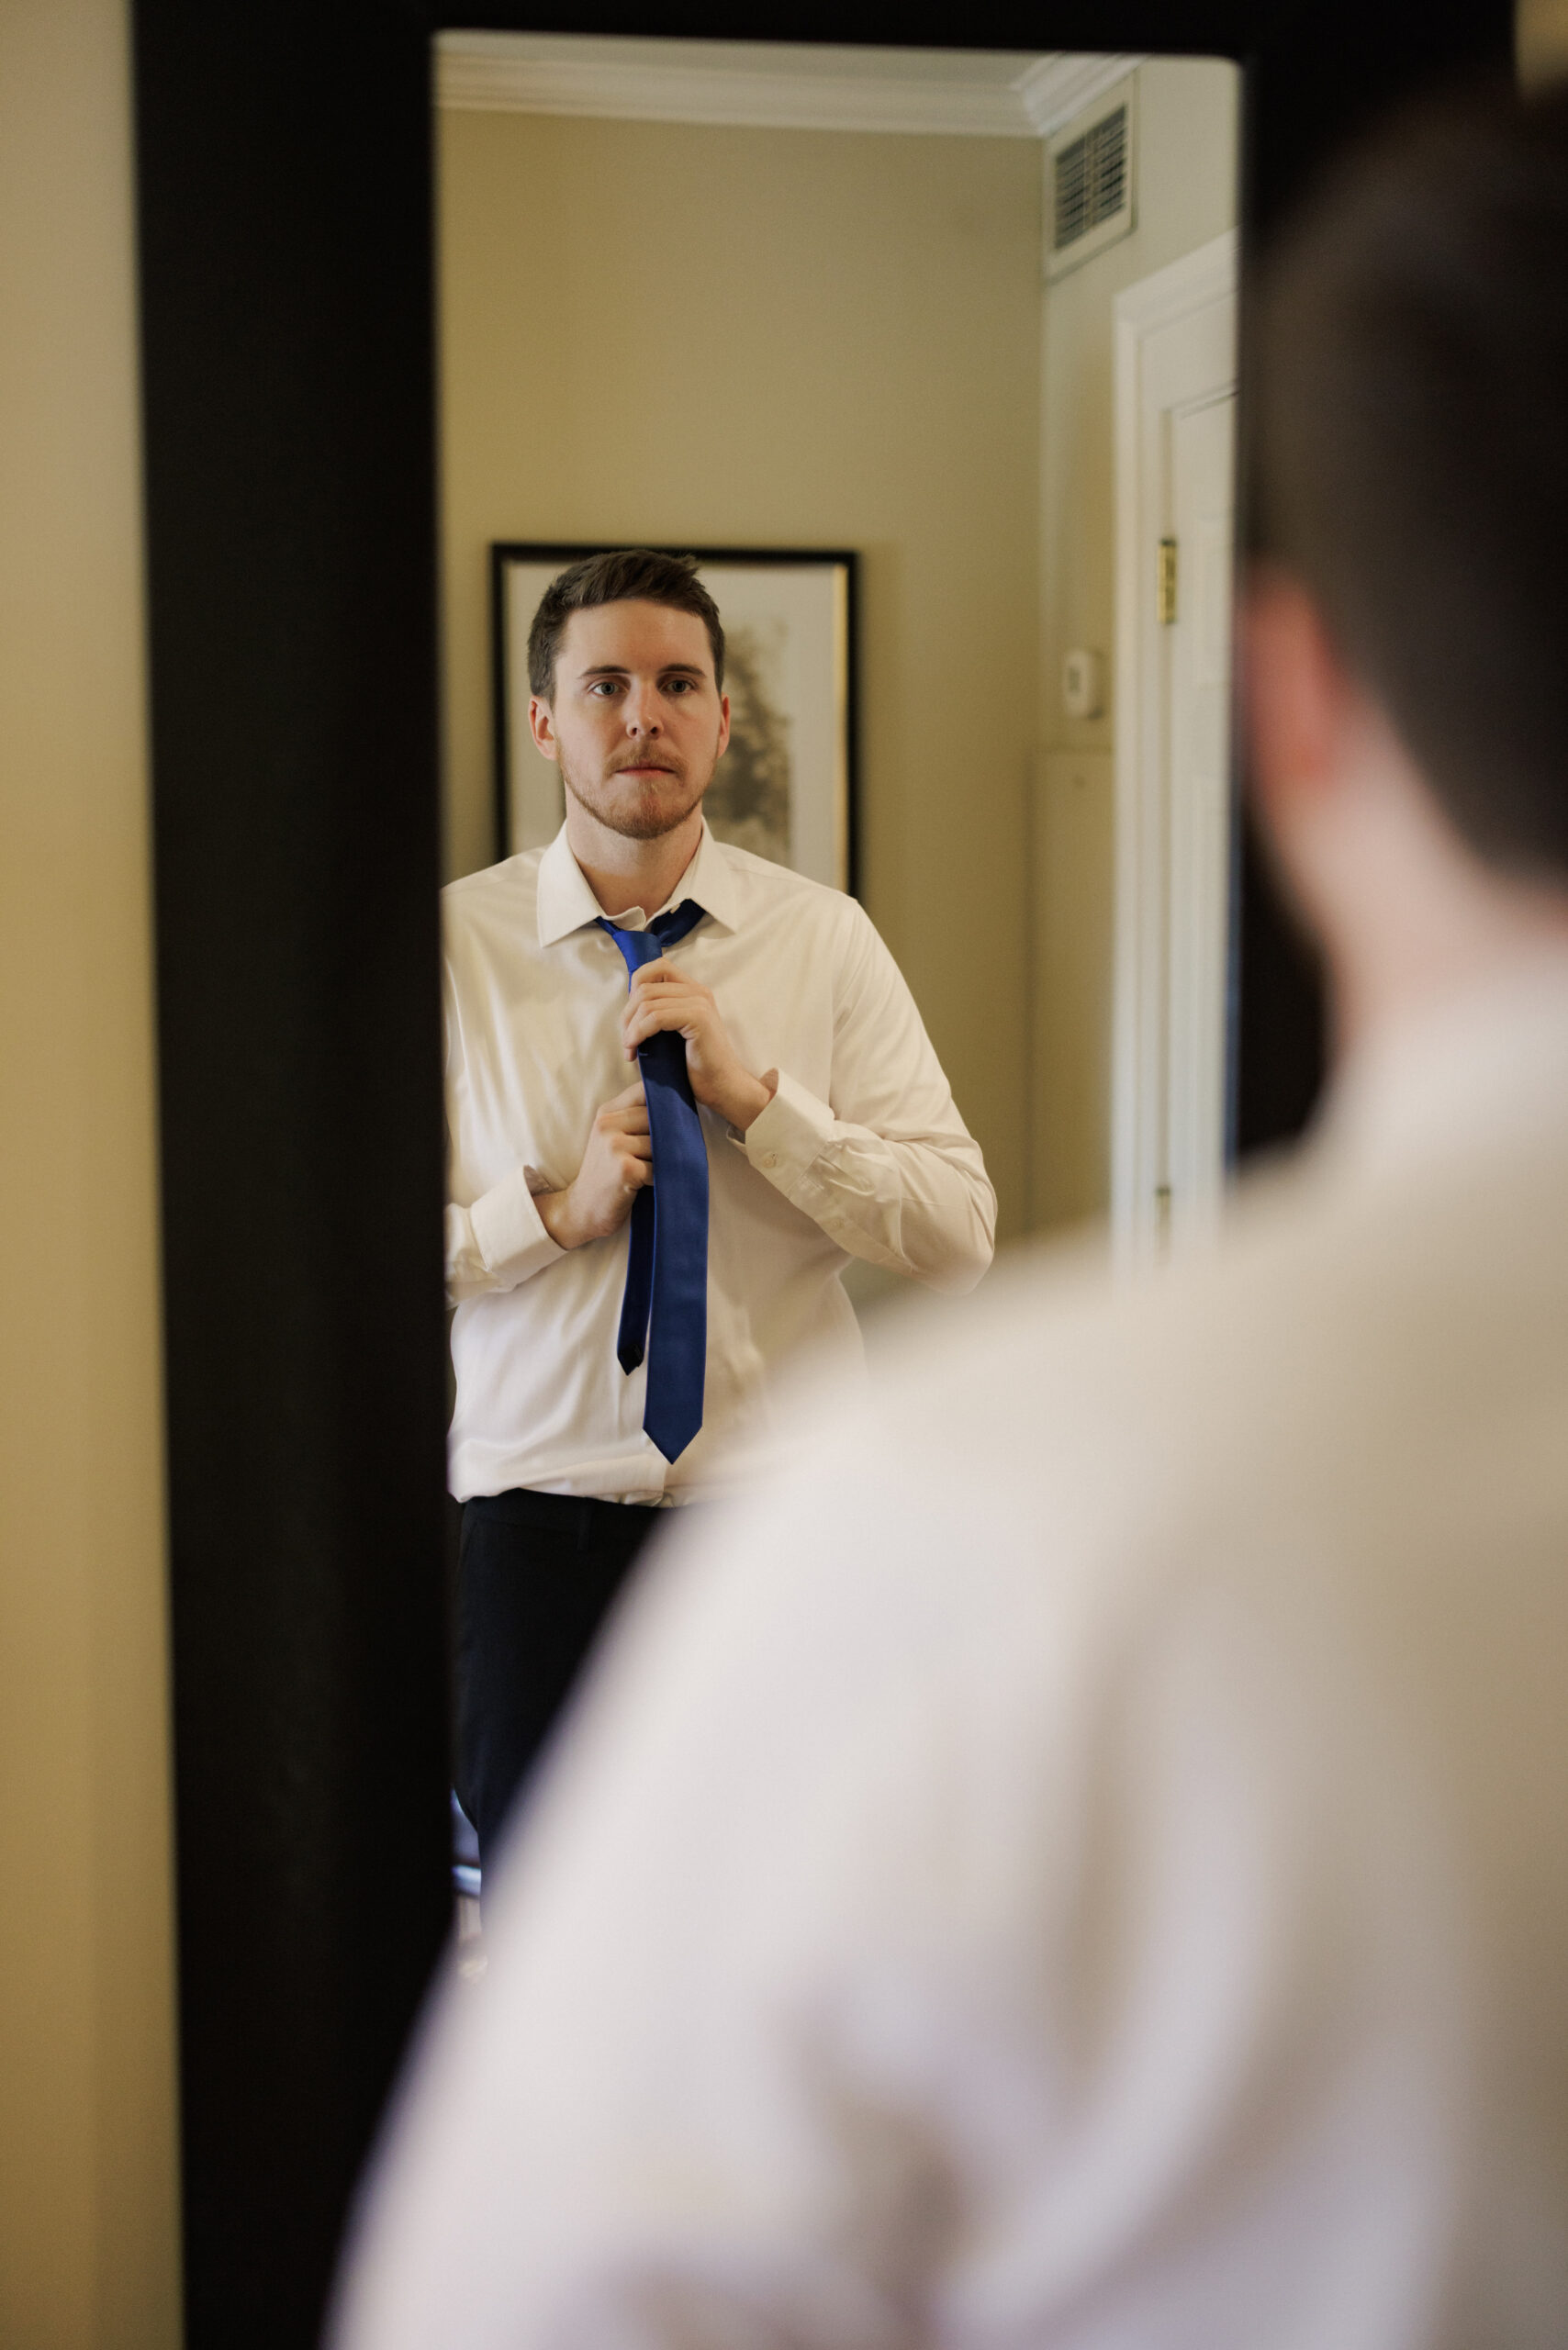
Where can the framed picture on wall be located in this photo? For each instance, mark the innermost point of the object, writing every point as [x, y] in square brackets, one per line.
[785, 788]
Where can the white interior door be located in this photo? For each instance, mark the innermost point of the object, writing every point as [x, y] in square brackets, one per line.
[1201, 445]
[1175, 438]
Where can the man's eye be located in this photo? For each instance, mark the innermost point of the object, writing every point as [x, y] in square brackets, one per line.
[604, 686]
[682, 686]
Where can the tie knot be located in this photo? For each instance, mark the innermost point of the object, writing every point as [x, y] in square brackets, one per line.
[640, 946]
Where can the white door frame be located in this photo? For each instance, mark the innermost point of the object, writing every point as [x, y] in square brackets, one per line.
[1157, 371]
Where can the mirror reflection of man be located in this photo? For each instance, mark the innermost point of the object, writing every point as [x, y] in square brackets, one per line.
[817, 1126]
[1085, 1864]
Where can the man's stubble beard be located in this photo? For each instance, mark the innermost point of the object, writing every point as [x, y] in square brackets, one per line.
[640, 821]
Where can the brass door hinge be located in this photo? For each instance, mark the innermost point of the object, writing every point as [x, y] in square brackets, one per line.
[1165, 593]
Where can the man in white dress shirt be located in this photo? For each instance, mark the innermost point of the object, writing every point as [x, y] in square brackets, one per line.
[830, 1131]
[1084, 1865]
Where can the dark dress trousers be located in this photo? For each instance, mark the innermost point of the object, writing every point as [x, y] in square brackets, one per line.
[537, 1575]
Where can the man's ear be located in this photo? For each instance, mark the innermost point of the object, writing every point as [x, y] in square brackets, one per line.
[1296, 695]
[723, 724]
[542, 725]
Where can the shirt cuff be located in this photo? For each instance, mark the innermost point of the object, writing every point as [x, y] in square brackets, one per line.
[508, 1229]
[783, 1140]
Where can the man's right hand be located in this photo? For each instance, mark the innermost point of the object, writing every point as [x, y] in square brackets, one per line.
[617, 1163]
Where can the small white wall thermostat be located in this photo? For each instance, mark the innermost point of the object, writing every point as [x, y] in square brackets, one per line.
[1082, 683]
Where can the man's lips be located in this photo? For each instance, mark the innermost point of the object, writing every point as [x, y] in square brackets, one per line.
[645, 767]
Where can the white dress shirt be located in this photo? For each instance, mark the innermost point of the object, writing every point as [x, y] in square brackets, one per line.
[1082, 1864]
[861, 1153]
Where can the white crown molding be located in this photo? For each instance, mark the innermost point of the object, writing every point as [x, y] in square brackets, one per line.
[771, 84]
[1058, 88]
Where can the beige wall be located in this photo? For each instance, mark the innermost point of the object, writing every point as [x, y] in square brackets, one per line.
[1540, 32]
[782, 338]
[1187, 128]
[87, 2192]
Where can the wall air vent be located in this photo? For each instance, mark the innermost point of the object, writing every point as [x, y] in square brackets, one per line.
[1092, 178]
[1089, 169]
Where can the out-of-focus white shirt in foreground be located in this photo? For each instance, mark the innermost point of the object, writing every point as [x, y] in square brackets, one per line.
[860, 1153]
[1083, 1862]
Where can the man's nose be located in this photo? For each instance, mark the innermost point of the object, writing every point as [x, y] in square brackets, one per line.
[643, 710]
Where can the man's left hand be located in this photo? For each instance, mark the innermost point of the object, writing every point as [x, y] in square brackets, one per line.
[665, 998]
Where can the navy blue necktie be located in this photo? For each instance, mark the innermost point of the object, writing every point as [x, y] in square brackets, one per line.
[666, 1302]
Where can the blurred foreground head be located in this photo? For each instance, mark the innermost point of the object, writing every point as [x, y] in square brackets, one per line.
[1413, 430]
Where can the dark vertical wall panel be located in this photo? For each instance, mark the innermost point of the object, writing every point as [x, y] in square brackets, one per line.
[285, 254]
[284, 160]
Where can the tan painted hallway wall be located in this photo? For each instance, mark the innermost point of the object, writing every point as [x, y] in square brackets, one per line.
[88, 2252]
[1186, 193]
[1540, 35]
[782, 338]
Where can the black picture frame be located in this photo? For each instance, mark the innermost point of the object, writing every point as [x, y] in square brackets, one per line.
[554, 554]
[284, 209]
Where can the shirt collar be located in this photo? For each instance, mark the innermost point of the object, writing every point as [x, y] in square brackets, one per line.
[566, 903]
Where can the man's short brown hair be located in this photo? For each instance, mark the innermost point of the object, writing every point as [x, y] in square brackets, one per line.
[622, 576]
[1413, 422]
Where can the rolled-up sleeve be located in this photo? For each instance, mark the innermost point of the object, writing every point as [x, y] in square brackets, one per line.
[887, 1169]
[499, 1241]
